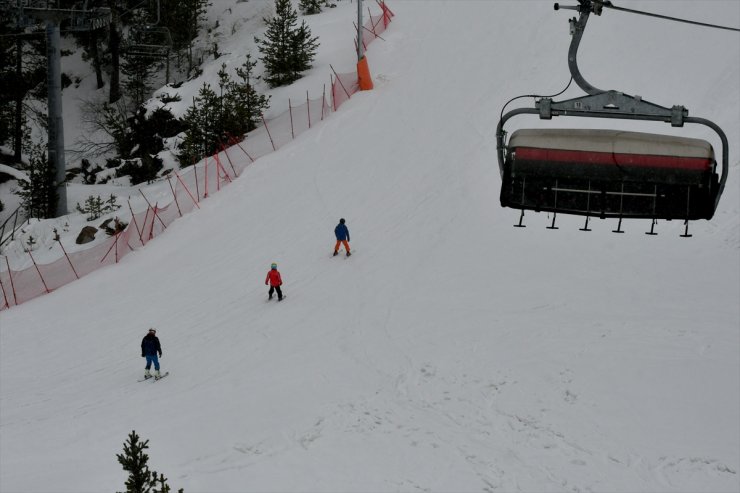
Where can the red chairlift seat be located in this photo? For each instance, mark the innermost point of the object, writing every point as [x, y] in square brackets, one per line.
[610, 173]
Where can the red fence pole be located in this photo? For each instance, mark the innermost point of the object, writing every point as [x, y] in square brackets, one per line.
[385, 8]
[153, 210]
[5, 296]
[12, 284]
[197, 190]
[232, 139]
[323, 102]
[133, 218]
[169, 180]
[187, 190]
[205, 193]
[308, 109]
[146, 216]
[151, 228]
[340, 83]
[268, 132]
[220, 168]
[226, 153]
[372, 24]
[68, 259]
[333, 96]
[115, 244]
[39, 271]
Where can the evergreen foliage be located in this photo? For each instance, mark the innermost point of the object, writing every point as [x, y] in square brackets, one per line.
[183, 19]
[136, 139]
[243, 105]
[138, 71]
[142, 169]
[287, 50]
[135, 461]
[39, 194]
[214, 118]
[311, 7]
[201, 136]
[22, 75]
[95, 207]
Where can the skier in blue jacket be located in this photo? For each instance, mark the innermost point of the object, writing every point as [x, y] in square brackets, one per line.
[342, 234]
[150, 348]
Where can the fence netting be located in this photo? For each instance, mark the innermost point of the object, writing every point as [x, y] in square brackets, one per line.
[177, 194]
[344, 85]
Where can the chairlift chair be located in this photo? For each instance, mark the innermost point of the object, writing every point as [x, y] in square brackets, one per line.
[148, 41]
[608, 173]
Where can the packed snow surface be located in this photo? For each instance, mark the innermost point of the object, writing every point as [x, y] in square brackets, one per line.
[451, 352]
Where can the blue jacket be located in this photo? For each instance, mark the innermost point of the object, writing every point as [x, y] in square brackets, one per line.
[150, 345]
[341, 232]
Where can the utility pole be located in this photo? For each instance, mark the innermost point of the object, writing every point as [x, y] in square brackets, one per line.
[363, 71]
[56, 121]
[360, 48]
[82, 20]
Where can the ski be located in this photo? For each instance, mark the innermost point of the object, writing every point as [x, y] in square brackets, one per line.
[152, 377]
[343, 254]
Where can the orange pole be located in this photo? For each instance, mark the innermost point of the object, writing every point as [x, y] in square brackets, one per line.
[363, 75]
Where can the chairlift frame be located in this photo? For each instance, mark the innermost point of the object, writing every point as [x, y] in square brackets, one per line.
[160, 49]
[153, 50]
[602, 104]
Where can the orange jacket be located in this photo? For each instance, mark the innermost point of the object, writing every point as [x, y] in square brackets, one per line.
[273, 277]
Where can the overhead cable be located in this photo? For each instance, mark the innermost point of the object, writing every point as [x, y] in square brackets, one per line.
[609, 5]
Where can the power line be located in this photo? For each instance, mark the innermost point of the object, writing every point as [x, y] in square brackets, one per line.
[609, 5]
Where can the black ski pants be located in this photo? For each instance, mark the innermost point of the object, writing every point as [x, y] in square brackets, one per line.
[279, 292]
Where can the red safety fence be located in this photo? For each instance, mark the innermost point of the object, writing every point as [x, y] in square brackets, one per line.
[176, 195]
[344, 85]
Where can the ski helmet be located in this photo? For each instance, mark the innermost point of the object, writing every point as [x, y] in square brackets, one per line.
[273, 266]
[341, 221]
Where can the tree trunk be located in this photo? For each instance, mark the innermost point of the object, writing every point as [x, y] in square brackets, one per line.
[96, 57]
[18, 130]
[115, 46]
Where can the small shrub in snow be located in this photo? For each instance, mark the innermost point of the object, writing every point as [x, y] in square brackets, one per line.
[95, 206]
[135, 461]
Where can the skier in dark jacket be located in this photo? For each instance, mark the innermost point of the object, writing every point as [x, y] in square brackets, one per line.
[150, 348]
[342, 234]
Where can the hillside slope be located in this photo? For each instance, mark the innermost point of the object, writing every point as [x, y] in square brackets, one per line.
[452, 352]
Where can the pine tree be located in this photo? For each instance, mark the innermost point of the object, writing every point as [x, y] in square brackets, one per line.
[310, 7]
[286, 49]
[135, 462]
[244, 104]
[138, 71]
[201, 137]
[183, 19]
[303, 50]
[39, 194]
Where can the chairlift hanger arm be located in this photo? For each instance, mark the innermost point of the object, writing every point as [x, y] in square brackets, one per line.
[577, 27]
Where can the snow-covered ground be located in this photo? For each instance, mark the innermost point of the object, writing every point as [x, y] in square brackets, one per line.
[452, 352]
